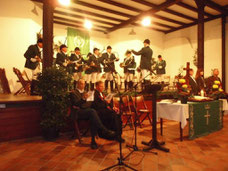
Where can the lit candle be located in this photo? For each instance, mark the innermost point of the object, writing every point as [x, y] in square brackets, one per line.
[202, 93]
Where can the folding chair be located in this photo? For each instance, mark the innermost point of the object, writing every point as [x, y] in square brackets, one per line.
[4, 81]
[77, 132]
[141, 108]
[25, 83]
[125, 109]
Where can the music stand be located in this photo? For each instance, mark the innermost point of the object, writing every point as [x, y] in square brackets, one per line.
[120, 158]
[135, 147]
[153, 143]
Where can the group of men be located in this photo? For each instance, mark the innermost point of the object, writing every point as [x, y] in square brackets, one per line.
[75, 64]
[105, 120]
[201, 85]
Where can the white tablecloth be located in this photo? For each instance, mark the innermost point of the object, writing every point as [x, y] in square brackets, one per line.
[224, 106]
[173, 111]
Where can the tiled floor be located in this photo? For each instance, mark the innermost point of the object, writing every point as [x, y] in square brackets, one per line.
[206, 153]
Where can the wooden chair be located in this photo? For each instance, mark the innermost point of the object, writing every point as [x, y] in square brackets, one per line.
[25, 83]
[141, 108]
[126, 109]
[4, 81]
[77, 132]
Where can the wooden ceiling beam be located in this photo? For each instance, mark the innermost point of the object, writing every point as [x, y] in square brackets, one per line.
[86, 12]
[82, 17]
[115, 19]
[193, 23]
[216, 7]
[150, 28]
[179, 14]
[152, 5]
[121, 5]
[77, 26]
[76, 22]
[162, 25]
[93, 14]
[164, 5]
[168, 19]
[189, 7]
[101, 8]
[138, 10]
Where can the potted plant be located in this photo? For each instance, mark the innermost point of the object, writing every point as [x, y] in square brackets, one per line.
[183, 90]
[53, 84]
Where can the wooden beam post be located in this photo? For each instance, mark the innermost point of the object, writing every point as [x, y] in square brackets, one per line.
[200, 4]
[48, 8]
[224, 52]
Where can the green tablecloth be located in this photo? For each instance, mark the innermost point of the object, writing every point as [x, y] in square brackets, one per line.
[204, 118]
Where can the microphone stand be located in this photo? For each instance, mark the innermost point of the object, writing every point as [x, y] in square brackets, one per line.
[119, 132]
[135, 147]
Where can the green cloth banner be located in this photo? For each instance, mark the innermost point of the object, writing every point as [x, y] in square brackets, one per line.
[78, 38]
[204, 118]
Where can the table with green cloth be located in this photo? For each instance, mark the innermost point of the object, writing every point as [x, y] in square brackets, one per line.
[204, 117]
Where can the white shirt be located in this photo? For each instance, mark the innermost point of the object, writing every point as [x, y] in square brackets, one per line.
[80, 91]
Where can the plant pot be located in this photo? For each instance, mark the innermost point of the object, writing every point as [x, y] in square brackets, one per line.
[50, 134]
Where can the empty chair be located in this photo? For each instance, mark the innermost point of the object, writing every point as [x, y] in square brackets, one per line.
[126, 110]
[141, 108]
[25, 83]
[4, 82]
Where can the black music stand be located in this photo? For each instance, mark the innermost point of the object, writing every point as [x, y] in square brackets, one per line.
[135, 147]
[120, 158]
[153, 143]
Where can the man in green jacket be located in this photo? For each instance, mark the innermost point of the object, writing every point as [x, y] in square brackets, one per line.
[160, 65]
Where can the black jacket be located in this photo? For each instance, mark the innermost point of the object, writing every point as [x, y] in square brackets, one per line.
[97, 62]
[146, 57]
[31, 52]
[201, 83]
[130, 63]
[77, 103]
[99, 103]
[160, 67]
[110, 60]
[60, 58]
[194, 86]
[79, 60]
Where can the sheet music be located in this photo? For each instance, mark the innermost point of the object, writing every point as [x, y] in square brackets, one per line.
[109, 96]
[90, 96]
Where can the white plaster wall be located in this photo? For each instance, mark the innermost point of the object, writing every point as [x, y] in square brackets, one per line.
[18, 30]
[180, 47]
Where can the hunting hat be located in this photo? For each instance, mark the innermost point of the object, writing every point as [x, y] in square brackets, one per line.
[63, 46]
[147, 41]
[95, 49]
[77, 49]
[109, 47]
[40, 40]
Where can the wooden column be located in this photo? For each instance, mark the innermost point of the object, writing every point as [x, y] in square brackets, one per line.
[200, 4]
[48, 8]
[224, 52]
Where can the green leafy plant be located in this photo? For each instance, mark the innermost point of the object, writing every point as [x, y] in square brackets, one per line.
[53, 86]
